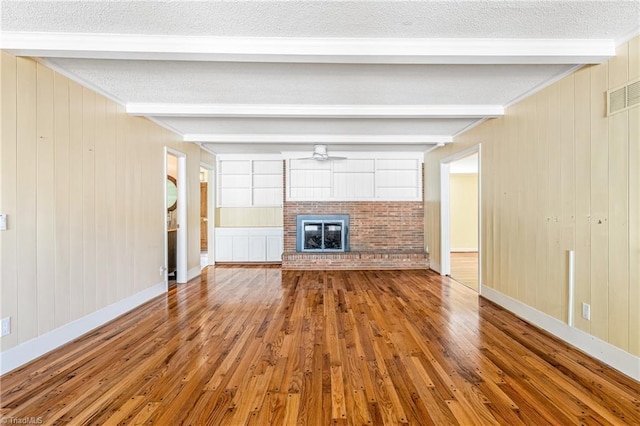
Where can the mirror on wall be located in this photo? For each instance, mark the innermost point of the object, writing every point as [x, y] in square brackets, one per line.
[172, 193]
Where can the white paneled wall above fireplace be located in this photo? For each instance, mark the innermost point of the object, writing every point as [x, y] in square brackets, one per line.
[359, 177]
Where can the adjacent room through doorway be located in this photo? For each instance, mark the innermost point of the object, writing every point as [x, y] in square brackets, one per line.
[463, 187]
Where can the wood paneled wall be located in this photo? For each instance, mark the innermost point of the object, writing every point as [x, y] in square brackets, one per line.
[557, 175]
[82, 184]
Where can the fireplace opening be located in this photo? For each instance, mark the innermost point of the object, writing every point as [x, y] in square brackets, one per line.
[320, 233]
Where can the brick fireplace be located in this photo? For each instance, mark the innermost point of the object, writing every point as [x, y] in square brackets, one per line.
[382, 235]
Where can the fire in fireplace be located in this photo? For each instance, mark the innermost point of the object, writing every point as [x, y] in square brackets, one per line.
[322, 233]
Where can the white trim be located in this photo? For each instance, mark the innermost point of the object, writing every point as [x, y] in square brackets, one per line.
[183, 227]
[327, 111]
[211, 211]
[316, 138]
[613, 356]
[627, 37]
[193, 272]
[36, 347]
[431, 148]
[164, 269]
[206, 148]
[469, 127]
[481, 253]
[464, 250]
[540, 87]
[181, 210]
[308, 49]
[445, 219]
[81, 81]
[354, 155]
[435, 266]
[445, 208]
[350, 200]
[161, 123]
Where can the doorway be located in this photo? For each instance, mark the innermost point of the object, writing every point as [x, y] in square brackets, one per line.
[460, 181]
[175, 213]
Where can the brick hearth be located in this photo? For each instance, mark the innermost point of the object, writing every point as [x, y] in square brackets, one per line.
[355, 260]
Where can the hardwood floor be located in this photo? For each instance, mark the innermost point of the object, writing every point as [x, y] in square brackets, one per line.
[265, 347]
[464, 268]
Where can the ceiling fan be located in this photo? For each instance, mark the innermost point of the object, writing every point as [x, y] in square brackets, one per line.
[320, 154]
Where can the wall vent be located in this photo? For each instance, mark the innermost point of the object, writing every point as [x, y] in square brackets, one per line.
[623, 98]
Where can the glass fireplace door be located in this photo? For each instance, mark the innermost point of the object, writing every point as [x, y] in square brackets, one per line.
[332, 236]
[323, 236]
[313, 236]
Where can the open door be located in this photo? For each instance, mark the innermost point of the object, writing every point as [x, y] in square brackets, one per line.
[204, 217]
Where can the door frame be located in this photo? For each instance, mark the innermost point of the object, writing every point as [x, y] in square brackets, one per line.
[211, 212]
[445, 210]
[181, 209]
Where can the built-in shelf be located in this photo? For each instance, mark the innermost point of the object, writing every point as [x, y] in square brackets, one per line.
[249, 182]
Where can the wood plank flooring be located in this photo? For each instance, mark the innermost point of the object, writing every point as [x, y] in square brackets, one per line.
[464, 268]
[258, 346]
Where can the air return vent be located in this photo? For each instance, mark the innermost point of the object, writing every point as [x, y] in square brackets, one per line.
[623, 98]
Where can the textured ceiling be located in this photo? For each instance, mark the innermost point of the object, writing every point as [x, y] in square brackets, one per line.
[431, 19]
[273, 83]
[263, 92]
[329, 126]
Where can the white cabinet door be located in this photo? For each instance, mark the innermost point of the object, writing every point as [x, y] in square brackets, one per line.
[257, 248]
[224, 248]
[274, 248]
[240, 248]
[248, 244]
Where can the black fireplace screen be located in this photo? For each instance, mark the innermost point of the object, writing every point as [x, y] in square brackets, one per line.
[322, 233]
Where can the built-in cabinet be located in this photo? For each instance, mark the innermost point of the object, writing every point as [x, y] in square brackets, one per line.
[355, 179]
[255, 182]
[248, 244]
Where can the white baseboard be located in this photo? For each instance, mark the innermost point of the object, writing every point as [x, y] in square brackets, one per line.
[606, 352]
[464, 250]
[193, 272]
[435, 266]
[38, 346]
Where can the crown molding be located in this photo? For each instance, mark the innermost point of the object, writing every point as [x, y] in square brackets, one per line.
[628, 36]
[81, 81]
[308, 49]
[318, 138]
[324, 111]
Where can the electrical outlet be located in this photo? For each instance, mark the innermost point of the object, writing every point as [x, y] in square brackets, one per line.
[586, 311]
[6, 326]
